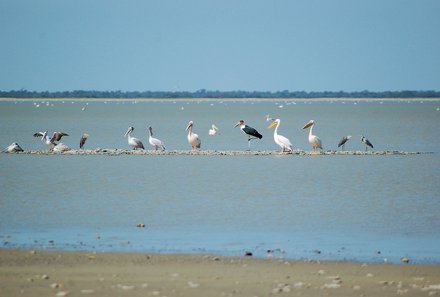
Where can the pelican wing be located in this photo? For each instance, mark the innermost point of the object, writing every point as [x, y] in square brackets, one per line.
[343, 141]
[57, 136]
[38, 134]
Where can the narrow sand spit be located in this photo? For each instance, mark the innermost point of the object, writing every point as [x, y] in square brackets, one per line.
[37, 273]
[117, 152]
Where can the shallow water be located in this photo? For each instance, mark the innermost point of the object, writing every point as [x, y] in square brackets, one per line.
[363, 208]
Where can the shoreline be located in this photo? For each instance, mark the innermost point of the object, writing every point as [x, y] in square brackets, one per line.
[222, 99]
[62, 273]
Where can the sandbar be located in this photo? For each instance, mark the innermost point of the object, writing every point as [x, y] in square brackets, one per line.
[55, 273]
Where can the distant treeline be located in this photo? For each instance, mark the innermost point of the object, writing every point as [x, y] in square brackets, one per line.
[218, 94]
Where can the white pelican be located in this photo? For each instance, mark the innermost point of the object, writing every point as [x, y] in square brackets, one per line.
[61, 147]
[344, 141]
[83, 139]
[14, 147]
[50, 142]
[314, 140]
[249, 131]
[132, 141]
[283, 142]
[154, 141]
[213, 130]
[193, 138]
[366, 142]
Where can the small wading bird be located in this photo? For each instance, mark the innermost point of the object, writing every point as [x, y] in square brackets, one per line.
[83, 139]
[13, 148]
[50, 142]
[193, 138]
[366, 142]
[249, 131]
[132, 141]
[283, 142]
[344, 141]
[314, 140]
[213, 130]
[156, 143]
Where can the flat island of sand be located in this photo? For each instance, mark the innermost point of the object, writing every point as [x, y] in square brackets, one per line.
[53, 273]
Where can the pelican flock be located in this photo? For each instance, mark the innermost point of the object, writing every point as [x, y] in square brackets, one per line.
[314, 140]
[132, 141]
[193, 138]
[283, 142]
[156, 143]
[249, 131]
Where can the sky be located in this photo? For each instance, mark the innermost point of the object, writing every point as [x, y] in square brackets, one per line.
[252, 45]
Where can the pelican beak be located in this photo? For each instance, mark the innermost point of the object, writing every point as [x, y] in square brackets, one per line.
[273, 124]
[187, 127]
[236, 125]
[308, 125]
[128, 131]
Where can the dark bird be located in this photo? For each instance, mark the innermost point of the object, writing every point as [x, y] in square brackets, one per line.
[366, 142]
[344, 141]
[83, 139]
[249, 131]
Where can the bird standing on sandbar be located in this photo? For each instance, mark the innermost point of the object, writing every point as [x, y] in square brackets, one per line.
[343, 141]
[83, 139]
[249, 131]
[366, 142]
[132, 141]
[283, 142]
[193, 138]
[314, 140]
[156, 143]
[50, 142]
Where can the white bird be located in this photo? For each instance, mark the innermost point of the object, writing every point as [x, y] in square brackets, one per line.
[50, 142]
[283, 142]
[83, 139]
[344, 141]
[61, 147]
[249, 131]
[314, 140]
[193, 138]
[213, 130]
[366, 142]
[156, 143]
[13, 148]
[132, 141]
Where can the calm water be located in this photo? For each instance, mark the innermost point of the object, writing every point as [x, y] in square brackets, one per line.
[364, 208]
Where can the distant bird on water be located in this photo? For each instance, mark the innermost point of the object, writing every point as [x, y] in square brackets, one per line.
[213, 131]
[193, 138]
[366, 142]
[344, 141]
[249, 131]
[314, 140]
[83, 139]
[156, 143]
[283, 142]
[13, 148]
[132, 141]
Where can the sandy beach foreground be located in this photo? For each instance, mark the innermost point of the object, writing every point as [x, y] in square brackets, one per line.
[37, 273]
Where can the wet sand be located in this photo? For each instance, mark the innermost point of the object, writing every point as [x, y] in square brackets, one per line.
[30, 273]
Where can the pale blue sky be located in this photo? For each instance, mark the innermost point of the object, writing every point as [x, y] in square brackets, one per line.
[172, 45]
